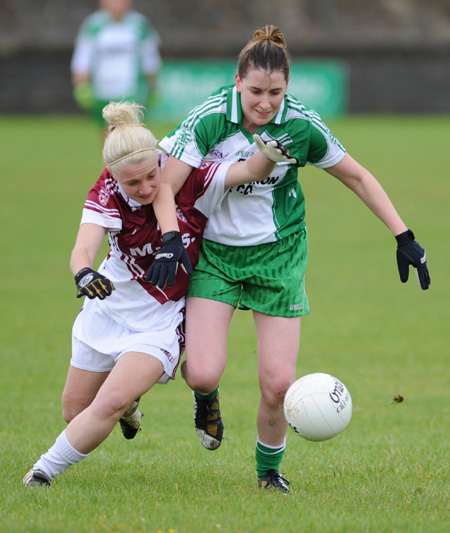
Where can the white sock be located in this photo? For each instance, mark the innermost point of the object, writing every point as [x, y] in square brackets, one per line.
[59, 457]
[275, 449]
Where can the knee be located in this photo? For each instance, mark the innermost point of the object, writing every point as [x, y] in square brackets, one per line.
[72, 407]
[274, 390]
[69, 414]
[111, 405]
[200, 380]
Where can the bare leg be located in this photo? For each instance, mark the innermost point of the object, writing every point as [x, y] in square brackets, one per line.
[278, 346]
[80, 389]
[133, 375]
[207, 325]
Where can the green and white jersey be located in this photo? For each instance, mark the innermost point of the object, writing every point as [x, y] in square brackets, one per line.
[264, 211]
[118, 55]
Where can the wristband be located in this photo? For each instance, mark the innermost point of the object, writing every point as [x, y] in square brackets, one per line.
[404, 238]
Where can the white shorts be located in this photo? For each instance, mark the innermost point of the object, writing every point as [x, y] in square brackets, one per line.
[98, 341]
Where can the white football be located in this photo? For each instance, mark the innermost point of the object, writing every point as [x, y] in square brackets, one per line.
[318, 407]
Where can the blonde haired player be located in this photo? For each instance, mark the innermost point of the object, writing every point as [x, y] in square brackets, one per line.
[129, 334]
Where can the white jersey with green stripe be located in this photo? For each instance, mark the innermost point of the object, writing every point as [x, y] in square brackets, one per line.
[118, 55]
[267, 210]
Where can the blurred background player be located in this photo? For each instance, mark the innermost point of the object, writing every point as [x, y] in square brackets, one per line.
[116, 57]
[129, 334]
[254, 253]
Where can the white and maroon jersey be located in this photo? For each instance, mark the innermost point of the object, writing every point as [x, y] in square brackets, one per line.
[135, 238]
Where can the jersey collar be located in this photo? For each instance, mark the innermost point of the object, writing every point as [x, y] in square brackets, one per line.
[132, 203]
[234, 111]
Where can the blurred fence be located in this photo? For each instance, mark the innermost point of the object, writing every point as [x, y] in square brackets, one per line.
[323, 85]
[396, 52]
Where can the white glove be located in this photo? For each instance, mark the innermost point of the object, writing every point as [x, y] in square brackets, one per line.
[274, 151]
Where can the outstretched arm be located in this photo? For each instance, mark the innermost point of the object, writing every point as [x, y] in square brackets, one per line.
[173, 176]
[261, 164]
[364, 184]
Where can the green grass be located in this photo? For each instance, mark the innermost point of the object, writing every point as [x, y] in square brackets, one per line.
[388, 471]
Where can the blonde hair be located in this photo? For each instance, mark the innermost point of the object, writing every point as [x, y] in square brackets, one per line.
[266, 51]
[128, 140]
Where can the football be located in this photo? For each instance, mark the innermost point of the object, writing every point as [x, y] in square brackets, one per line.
[318, 407]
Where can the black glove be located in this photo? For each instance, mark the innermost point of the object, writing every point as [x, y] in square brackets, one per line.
[92, 284]
[165, 265]
[409, 252]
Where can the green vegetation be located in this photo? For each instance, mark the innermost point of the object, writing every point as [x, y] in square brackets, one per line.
[388, 471]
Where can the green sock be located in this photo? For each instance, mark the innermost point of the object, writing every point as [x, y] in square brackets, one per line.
[268, 457]
[208, 395]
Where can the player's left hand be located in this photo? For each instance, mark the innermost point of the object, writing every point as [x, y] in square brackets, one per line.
[165, 266]
[92, 284]
[409, 252]
[274, 150]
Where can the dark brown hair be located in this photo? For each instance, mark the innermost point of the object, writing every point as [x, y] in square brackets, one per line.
[266, 51]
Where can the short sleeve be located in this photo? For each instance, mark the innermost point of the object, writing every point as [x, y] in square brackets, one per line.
[324, 149]
[101, 208]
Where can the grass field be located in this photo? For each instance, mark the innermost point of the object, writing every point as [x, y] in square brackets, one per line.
[389, 470]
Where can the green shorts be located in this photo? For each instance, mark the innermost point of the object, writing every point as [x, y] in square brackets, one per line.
[269, 278]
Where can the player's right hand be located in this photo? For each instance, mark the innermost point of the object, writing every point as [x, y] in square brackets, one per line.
[92, 284]
[274, 150]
